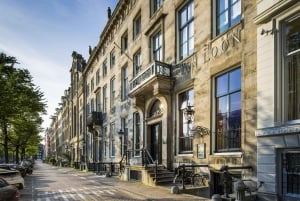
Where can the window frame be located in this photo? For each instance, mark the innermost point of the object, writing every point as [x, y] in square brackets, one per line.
[216, 17]
[155, 5]
[157, 37]
[137, 62]
[137, 25]
[185, 26]
[285, 55]
[124, 83]
[184, 133]
[112, 92]
[124, 42]
[216, 122]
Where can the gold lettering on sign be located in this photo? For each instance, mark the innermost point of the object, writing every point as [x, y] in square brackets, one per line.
[221, 45]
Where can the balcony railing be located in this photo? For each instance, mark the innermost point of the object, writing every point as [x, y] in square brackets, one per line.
[94, 118]
[154, 69]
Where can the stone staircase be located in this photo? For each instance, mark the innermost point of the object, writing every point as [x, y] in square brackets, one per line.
[163, 176]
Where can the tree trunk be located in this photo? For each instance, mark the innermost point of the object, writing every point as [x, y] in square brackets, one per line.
[5, 143]
[22, 153]
[17, 154]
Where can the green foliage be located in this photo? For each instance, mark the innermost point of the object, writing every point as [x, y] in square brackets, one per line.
[21, 107]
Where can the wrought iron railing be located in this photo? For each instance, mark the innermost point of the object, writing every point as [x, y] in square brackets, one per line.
[154, 69]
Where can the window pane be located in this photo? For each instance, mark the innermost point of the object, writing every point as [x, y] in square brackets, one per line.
[190, 10]
[183, 16]
[222, 85]
[235, 80]
[236, 12]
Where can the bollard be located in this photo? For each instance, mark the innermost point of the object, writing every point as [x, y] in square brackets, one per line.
[240, 189]
[216, 197]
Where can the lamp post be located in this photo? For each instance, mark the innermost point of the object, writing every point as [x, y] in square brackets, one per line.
[189, 113]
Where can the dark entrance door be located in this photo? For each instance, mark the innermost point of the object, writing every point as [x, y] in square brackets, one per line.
[155, 142]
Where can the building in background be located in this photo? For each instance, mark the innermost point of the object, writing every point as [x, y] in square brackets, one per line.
[169, 83]
[278, 75]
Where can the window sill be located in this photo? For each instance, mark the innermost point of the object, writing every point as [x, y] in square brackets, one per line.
[227, 154]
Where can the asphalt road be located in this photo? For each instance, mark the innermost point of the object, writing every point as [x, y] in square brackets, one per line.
[50, 183]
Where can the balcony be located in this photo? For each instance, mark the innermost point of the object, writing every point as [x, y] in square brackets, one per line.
[94, 119]
[156, 78]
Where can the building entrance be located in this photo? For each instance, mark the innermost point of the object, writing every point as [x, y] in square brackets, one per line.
[155, 142]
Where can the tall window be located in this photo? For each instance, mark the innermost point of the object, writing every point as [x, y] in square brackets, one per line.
[137, 25]
[228, 13]
[228, 111]
[104, 93]
[104, 142]
[104, 68]
[185, 135]
[124, 83]
[98, 103]
[186, 30]
[112, 92]
[124, 42]
[291, 69]
[97, 76]
[92, 105]
[137, 133]
[155, 5]
[92, 85]
[137, 63]
[112, 58]
[112, 140]
[157, 47]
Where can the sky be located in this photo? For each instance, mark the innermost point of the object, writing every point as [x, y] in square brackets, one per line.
[42, 34]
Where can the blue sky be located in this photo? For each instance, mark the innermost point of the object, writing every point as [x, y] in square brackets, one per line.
[42, 34]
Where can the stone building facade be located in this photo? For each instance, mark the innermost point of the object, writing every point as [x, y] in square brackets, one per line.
[278, 138]
[174, 80]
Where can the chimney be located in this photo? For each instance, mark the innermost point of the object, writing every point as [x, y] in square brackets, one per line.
[108, 12]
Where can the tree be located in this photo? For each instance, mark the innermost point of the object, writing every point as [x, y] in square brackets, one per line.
[19, 98]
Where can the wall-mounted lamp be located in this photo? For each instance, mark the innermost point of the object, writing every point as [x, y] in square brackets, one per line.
[267, 32]
[189, 113]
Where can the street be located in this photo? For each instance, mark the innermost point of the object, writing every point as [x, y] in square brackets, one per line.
[49, 183]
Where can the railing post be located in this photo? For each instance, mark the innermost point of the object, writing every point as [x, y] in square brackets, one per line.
[183, 176]
[156, 166]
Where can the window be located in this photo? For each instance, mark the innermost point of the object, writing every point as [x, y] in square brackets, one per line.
[97, 76]
[228, 13]
[137, 133]
[104, 93]
[92, 85]
[185, 135]
[290, 186]
[105, 142]
[112, 92]
[80, 124]
[124, 42]
[291, 70]
[92, 105]
[98, 108]
[112, 140]
[112, 58]
[137, 25]
[186, 30]
[87, 90]
[155, 5]
[157, 47]
[124, 83]
[228, 111]
[137, 63]
[104, 68]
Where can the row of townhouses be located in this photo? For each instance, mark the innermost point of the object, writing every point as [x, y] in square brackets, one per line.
[210, 84]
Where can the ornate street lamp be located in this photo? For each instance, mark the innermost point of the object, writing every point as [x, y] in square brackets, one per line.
[189, 113]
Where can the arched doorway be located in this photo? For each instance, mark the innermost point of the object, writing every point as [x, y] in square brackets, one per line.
[155, 131]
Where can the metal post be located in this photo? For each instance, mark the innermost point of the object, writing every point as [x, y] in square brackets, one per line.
[183, 176]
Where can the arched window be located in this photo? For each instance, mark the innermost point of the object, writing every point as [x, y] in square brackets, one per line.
[155, 109]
